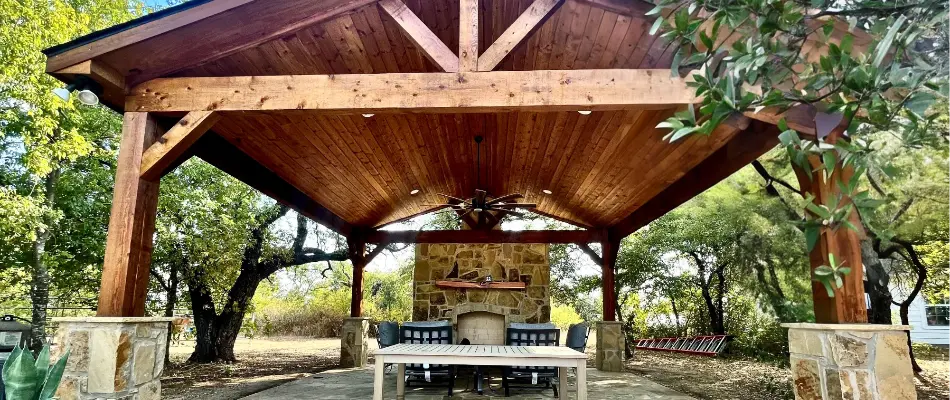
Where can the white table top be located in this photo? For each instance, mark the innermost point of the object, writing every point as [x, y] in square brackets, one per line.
[482, 351]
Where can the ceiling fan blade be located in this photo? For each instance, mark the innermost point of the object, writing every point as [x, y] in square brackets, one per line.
[515, 205]
[505, 198]
[452, 198]
[444, 205]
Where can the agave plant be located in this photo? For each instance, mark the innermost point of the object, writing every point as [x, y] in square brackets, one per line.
[26, 378]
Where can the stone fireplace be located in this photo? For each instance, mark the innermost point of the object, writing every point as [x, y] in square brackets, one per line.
[481, 314]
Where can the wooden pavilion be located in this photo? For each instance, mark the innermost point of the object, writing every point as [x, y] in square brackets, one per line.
[342, 109]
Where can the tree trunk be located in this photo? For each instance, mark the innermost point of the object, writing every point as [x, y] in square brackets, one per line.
[39, 285]
[676, 315]
[877, 284]
[202, 307]
[720, 327]
[904, 308]
[171, 299]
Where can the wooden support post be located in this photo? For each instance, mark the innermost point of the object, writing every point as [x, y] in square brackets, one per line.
[356, 244]
[848, 305]
[468, 35]
[128, 254]
[611, 246]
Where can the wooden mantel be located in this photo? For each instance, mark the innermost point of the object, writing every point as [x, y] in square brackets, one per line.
[476, 285]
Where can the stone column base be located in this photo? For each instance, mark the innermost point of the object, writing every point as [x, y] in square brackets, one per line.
[850, 361]
[610, 346]
[111, 357]
[354, 346]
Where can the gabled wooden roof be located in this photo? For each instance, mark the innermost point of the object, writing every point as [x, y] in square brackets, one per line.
[602, 168]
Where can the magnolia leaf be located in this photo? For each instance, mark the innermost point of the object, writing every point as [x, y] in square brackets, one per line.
[656, 26]
[812, 234]
[884, 46]
[920, 102]
[823, 271]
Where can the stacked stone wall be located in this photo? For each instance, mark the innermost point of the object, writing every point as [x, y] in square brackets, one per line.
[111, 358]
[850, 362]
[526, 263]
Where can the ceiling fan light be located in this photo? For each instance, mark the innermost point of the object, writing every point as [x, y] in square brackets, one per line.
[478, 209]
[87, 97]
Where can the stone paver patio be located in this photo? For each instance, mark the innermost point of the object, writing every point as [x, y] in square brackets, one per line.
[358, 384]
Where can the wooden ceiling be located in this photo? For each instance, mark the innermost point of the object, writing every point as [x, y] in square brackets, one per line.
[578, 35]
[600, 167]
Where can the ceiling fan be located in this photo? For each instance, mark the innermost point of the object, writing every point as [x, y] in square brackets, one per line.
[486, 208]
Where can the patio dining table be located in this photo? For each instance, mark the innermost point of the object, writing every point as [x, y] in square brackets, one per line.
[529, 356]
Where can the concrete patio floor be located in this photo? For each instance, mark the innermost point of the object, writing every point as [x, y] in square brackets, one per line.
[358, 384]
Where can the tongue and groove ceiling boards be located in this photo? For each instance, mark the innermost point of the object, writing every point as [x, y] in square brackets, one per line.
[601, 168]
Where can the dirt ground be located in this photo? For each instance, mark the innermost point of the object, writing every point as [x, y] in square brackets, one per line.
[728, 378]
[265, 363]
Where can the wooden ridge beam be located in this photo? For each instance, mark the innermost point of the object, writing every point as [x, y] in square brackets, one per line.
[228, 158]
[741, 150]
[420, 35]
[163, 155]
[529, 21]
[484, 236]
[562, 90]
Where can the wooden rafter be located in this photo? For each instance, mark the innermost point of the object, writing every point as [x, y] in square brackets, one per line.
[228, 158]
[483, 236]
[468, 35]
[163, 154]
[419, 93]
[420, 35]
[526, 23]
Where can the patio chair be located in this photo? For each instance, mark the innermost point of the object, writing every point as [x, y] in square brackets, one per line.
[577, 335]
[432, 332]
[531, 335]
[387, 334]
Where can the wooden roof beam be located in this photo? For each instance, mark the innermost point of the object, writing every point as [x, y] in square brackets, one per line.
[485, 236]
[564, 90]
[113, 83]
[421, 36]
[527, 22]
[162, 155]
[228, 158]
[741, 150]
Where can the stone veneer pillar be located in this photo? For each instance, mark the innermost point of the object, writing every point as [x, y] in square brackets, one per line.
[354, 346]
[850, 361]
[111, 357]
[610, 346]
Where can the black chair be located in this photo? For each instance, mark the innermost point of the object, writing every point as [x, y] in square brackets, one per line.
[428, 333]
[577, 335]
[387, 334]
[524, 335]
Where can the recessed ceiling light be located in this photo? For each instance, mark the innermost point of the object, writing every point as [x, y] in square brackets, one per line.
[368, 115]
[584, 112]
[414, 192]
[545, 191]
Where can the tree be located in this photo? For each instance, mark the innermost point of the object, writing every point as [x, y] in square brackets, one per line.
[750, 55]
[44, 137]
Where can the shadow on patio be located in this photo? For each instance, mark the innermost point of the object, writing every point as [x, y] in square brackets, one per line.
[358, 384]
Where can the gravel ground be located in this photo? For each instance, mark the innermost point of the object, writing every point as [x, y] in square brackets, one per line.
[730, 378]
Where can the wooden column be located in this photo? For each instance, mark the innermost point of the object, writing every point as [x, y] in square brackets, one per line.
[848, 305]
[608, 266]
[356, 244]
[128, 254]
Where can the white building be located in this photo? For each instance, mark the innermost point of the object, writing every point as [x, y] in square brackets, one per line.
[929, 322]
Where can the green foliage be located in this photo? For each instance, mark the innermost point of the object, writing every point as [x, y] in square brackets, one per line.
[751, 54]
[563, 315]
[28, 378]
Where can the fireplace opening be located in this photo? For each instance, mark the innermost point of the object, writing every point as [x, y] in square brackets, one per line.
[482, 327]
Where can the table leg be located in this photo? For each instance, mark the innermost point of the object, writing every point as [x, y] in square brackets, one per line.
[562, 383]
[582, 380]
[400, 381]
[378, 378]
